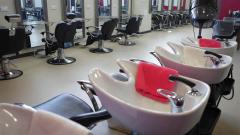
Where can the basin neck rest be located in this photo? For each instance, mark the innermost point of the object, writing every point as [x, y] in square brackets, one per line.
[209, 43]
[187, 55]
[151, 77]
[195, 57]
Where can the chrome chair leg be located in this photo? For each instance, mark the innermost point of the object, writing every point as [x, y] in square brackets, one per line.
[6, 73]
[100, 48]
[126, 42]
[61, 59]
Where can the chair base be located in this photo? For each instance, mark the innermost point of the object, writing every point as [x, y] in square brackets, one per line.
[100, 50]
[127, 43]
[63, 61]
[11, 75]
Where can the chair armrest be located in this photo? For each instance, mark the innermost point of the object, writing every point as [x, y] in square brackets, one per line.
[90, 119]
[122, 23]
[93, 27]
[88, 88]
[44, 32]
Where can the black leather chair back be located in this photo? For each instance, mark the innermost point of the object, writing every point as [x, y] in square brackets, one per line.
[108, 28]
[12, 44]
[133, 25]
[139, 22]
[64, 33]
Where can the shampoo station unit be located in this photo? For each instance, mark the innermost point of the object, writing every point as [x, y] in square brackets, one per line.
[142, 115]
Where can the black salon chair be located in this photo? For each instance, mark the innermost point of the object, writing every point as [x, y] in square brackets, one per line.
[99, 35]
[186, 18]
[157, 22]
[74, 108]
[223, 30]
[132, 27]
[64, 33]
[49, 39]
[13, 40]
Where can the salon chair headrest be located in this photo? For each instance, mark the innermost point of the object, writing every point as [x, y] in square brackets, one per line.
[13, 18]
[70, 16]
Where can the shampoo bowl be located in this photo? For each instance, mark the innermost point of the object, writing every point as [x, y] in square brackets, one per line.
[144, 115]
[16, 120]
[228, 48]
[195, 63]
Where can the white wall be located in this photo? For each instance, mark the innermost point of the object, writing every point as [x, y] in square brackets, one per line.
[89, 12]
[6, 7]
[54, 8]
[141, 7]
[115, 8]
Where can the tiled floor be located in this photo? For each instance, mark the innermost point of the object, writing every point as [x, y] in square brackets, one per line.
[42, 81]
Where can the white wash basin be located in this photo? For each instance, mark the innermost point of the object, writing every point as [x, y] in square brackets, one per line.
[226, 49]
[15, 120]
[193, 62]
[144, 115]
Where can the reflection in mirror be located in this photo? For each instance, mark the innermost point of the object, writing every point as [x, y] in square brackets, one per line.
[103, 11]
[124, 11]
[104, 7]
[75, 6]
[125, 7]
[155, 5]
[32, 10]
[33, 19]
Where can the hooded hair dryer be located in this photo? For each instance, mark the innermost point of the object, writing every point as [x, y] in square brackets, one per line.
[202, 13]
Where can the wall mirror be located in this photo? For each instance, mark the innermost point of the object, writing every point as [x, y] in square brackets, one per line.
[124, 10]
[34, 16]
[75, 6]
[103, 11]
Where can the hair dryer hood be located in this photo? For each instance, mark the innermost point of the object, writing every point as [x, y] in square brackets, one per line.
[203, 12]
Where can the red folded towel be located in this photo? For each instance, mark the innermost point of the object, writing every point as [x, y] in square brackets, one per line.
[209, 43]
[151, 77]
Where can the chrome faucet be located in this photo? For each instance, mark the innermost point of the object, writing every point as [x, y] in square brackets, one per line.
[214, 57]
[175, 100]
[194, 92]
